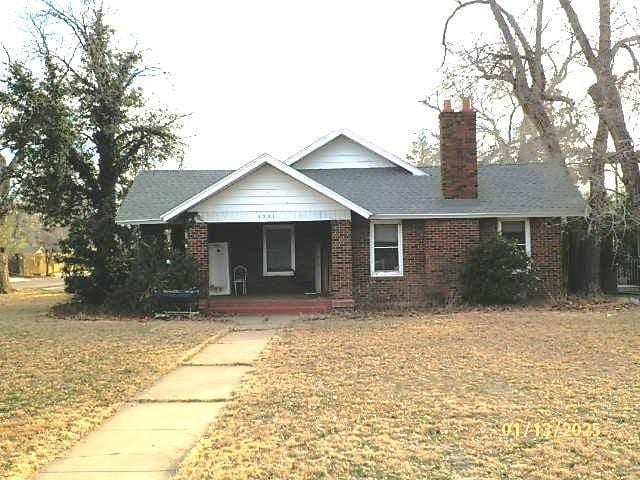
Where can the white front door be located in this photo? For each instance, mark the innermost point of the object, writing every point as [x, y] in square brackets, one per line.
[219, 279]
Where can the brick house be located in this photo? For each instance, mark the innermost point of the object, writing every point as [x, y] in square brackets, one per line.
[343, 223]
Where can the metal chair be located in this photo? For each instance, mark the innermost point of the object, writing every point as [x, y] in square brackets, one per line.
[240, 277]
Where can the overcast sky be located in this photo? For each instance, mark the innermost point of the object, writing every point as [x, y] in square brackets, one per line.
[272, 76]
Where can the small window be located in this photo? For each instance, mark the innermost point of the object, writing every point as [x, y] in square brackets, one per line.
[386, 249]
[517, 231]
[278, 250]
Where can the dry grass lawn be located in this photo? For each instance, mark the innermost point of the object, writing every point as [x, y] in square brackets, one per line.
[60, 378]
[428, 396]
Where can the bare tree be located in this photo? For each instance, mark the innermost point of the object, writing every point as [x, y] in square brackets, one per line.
[605, 91]
[505, 134]
[607, 99]
[519, 63]
[535, 74]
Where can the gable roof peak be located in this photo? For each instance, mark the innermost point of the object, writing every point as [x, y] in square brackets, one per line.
[264, 157]
[247, 169]
[321, 142]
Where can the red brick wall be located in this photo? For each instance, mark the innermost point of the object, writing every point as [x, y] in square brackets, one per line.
[448, 243]
[546, 252]
[434, 254]
[377, 291]
[340, 264]
[198, 247]
[458, 154]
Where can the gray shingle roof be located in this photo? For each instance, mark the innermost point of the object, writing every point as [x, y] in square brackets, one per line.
[533, 189]
[154, 192]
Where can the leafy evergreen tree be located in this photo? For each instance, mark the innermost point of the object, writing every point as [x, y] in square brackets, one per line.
[80, 128]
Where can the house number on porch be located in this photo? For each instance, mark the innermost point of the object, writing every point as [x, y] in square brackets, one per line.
[267, 216]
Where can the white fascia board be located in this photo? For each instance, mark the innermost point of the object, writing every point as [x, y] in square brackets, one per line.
[418, 216]
[264, 159]
[145, 221]
[365, 143]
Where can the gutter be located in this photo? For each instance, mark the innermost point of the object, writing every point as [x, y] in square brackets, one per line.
[418, 216]
[144, 221]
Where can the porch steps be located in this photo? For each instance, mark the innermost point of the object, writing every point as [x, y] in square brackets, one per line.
[266, 306]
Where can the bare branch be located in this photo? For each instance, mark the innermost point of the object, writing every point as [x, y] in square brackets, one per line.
[521, 76]
[6, 52]
[538, 48]
[625, 43]
[551, 97]
[453, 14]
[429, 104]
[581, 36]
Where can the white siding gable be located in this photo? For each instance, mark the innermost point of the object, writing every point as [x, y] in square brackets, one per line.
[268, 195]
[342, 152]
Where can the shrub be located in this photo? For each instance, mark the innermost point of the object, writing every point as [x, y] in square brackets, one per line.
[154, 267]
[497, 272]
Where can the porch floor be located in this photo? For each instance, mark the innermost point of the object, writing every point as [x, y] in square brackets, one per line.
[266, 304]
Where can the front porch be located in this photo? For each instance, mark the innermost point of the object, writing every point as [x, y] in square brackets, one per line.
[280, 258]
[292, 267]
[267, 304]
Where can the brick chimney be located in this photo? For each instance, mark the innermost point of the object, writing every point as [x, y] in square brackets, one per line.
[458, 151]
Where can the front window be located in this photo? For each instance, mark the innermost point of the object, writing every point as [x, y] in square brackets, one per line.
[278, 250]
[386, 248]
[518, 232]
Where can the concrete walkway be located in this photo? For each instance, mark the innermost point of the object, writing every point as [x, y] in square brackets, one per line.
[148, 438]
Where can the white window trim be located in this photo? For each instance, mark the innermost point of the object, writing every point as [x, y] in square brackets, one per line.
[280, 226]
[527, 230]
[372, 266]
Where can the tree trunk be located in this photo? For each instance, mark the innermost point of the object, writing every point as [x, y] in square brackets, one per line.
[598, 214]
[105, 229]
[606, 97]
[605, 93]
[530, 94]
[541, 120]
[5, 286]
[592, 270]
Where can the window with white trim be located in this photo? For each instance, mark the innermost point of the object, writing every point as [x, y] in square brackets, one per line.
[278, 250]
[518, 231]
[385, 240]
